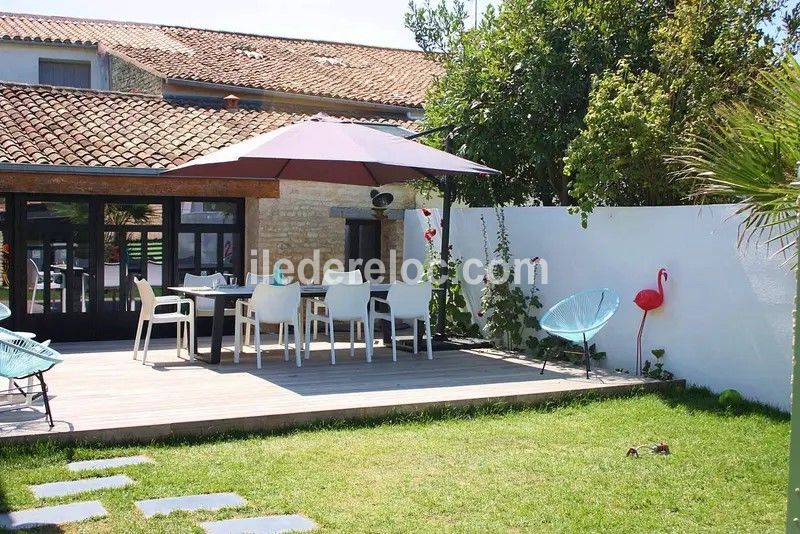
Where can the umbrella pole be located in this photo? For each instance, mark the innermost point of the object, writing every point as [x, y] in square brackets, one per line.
[441, 312]
[447, 186]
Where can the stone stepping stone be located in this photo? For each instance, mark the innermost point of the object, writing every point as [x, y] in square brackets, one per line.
[272, 524]
[71, 487]
[108, 463]
[189, 503]
[52, 515]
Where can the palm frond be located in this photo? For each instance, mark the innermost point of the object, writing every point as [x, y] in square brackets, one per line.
[750, 153]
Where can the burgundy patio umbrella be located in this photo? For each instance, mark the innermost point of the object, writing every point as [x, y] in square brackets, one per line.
[325, 149]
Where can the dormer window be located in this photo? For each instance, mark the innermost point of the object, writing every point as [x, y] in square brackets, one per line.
[65, 73]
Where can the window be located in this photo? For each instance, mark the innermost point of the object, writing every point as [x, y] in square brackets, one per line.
[65, 73]
[209, 237]
[209, 213]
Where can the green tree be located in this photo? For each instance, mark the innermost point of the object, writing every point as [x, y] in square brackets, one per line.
[618, 156]
[530, 86]
[750, 152]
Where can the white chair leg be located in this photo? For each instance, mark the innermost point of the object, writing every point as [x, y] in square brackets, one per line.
[147, 341]
[29, 392]
[352, 340]
[296, 328]
[394, 339]
[138, 338]
[416, 349]
[367, 340]
[178, 335]
[285, 342]
[281, 334]
[257, 334]
[332, 337]
[190, 326]
[428, 337]
[307, 331]
[237, 338]
[316, 329]
[359, 325]
[246, 333]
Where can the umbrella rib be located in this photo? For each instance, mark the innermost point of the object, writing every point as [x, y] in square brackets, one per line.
[364, 163]
[432, 177]
[278, 174]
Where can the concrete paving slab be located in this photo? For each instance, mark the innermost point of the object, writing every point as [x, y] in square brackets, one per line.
[73, 487]
[52, 515]
[272, 524]
[108, 463]
[189, 503]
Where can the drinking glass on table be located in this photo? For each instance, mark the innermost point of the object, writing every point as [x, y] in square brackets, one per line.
[233, 281]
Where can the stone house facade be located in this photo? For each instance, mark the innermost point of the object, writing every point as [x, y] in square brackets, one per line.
[127, 100]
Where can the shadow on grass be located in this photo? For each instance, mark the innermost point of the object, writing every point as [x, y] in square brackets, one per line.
[3, 499]
[700, 399]
[6, 507]
[693, 399]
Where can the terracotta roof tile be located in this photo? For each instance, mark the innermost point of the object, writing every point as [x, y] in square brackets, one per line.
[49, 125]
[318, 68]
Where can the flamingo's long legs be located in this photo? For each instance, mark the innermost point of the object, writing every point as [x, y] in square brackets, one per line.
[639, 346]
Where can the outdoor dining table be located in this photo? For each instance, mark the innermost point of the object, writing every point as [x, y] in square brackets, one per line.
[225, 294]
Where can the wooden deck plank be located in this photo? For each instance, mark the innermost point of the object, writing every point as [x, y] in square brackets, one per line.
[100, 394]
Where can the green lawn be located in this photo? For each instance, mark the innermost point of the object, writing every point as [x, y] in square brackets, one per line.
[551, 469]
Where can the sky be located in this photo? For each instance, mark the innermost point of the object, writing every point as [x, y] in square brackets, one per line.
[373, 22]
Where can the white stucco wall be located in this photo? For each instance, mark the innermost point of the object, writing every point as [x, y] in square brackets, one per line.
[19, 62]
[726, 321]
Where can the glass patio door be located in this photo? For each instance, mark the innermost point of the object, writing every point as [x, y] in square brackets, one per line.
[133, 246]
[54, 266]
[71, 262]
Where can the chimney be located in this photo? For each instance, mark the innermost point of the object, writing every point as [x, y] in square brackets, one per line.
[231, 102]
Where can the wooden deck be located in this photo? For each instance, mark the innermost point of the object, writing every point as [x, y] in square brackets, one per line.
[100, 394]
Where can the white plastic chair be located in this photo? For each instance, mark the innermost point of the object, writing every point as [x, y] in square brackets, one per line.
[254, 278]
[110, 275]
[250, 280]
[343, 302]
[330, 278]
[405, 301]
[149, 313]
[155, 273]
[35, 279]
[273, 305]
[204, 306]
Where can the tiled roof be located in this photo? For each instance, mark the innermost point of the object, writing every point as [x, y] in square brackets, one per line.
[346, 71]
[58, 126]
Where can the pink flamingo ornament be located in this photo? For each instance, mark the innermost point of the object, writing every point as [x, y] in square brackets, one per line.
[648, 299]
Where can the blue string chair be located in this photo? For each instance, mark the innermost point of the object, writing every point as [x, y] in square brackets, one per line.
[22, 358]
[579, 317]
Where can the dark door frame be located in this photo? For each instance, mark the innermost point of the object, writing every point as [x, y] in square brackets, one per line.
[352, 240]
[97, 323]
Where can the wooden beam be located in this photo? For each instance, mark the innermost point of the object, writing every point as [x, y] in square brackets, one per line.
[102, 184]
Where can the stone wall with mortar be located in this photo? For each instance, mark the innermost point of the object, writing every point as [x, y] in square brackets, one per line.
[129, 78]
[299, 222]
